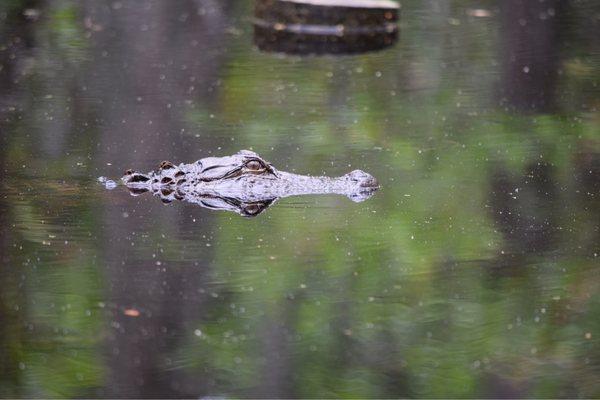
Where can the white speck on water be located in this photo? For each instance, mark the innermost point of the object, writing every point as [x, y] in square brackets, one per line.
[198, 332]
[526, 69]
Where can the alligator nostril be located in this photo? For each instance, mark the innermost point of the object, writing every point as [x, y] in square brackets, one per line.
[129, 172]
[370, 182]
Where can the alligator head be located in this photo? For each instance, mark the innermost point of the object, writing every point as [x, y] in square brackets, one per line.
[244, 183]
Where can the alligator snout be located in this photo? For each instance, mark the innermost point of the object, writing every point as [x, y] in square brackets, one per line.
[362, 179]
[363, 185]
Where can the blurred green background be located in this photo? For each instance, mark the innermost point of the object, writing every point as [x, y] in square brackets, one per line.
[473, 272]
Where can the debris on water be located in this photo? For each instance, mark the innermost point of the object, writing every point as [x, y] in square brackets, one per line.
[479, 12]
[131, 312]
[32, 14]
[108, 183]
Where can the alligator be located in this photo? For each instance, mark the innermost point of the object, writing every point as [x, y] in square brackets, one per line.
[244, 183]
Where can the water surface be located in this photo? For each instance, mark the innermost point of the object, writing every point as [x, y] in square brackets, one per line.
[472, 272]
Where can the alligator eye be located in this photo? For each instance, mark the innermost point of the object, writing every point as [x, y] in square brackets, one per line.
[254, 165]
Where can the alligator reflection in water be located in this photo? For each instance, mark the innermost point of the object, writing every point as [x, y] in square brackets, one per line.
[244, 183]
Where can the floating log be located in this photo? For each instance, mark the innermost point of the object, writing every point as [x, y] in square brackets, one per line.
[359, 13]
[282, 41]
[325, 26]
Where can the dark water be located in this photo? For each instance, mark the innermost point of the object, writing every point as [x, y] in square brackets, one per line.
[473, 272]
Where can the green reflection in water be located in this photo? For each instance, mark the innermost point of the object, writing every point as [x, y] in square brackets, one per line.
[473, 272]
